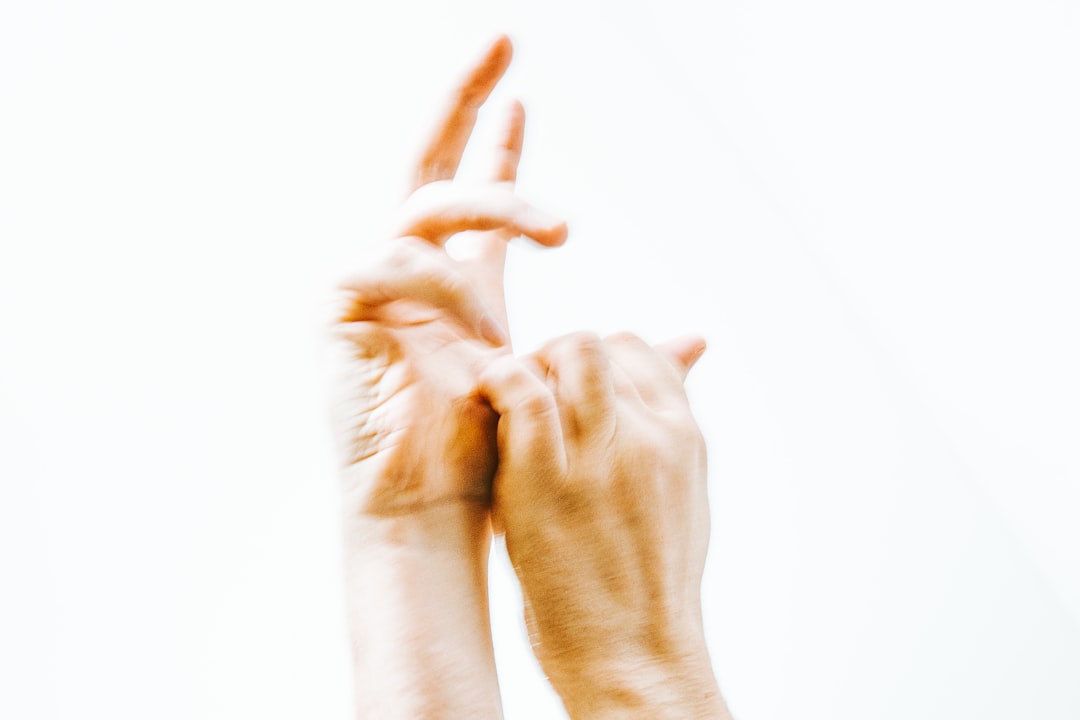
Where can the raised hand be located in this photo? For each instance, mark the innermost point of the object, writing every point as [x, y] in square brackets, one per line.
[601, 492]
[419, 453]
[416, 324]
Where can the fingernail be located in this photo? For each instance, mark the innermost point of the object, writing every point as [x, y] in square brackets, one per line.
[492, 331]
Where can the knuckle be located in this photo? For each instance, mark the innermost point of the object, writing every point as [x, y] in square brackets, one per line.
[590, 355]
[531, 395]
[584, 339]
[573, 348]
[467, 95]
[524, 391]
[624, 337]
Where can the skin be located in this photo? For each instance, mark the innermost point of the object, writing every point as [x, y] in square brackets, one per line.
[601, 492]
[418, 441]
[584, 453]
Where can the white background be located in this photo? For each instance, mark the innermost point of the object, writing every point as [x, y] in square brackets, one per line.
[870, 209]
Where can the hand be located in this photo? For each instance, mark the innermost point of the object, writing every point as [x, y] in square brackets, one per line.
[416, 324]
[415, 328]
[601, 492]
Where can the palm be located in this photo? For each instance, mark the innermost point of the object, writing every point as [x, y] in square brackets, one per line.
[418, 325]
[419, 434]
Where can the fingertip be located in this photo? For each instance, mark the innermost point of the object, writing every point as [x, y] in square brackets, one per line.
[696, 354]
[503, 44]
[543, 228]
[558, 235]
[485, 74]
[442, 156]
[517, 111]
[683, 352]
[551, 234]
[500, 51]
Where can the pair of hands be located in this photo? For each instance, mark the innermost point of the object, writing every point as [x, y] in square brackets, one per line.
[584, 454]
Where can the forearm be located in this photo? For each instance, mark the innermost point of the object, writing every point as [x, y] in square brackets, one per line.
[418, 614]
[655, 690]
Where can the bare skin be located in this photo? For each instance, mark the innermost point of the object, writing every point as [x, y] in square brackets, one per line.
[584, 453]
[601, 492]
[415, 329]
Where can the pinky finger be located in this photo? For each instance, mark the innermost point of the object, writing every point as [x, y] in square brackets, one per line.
[683, 352]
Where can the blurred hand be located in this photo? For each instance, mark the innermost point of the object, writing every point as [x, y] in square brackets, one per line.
[415, 329]
[416, 325]
[601, 492]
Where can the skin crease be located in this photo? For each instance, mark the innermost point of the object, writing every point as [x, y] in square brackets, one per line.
[584, 453]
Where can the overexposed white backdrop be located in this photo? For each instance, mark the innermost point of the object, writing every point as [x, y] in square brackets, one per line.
[870, 209]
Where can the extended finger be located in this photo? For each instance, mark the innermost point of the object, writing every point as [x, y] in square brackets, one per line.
[489, 249]
[442, 156]
[439, 210]
[508, 154]
[413, 271]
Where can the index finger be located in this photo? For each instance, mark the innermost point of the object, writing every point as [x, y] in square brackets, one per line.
[442, 156]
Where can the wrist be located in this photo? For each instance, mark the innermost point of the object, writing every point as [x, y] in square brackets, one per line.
[416, 591]
[450, 525]
[430, 564]
[682, 687]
